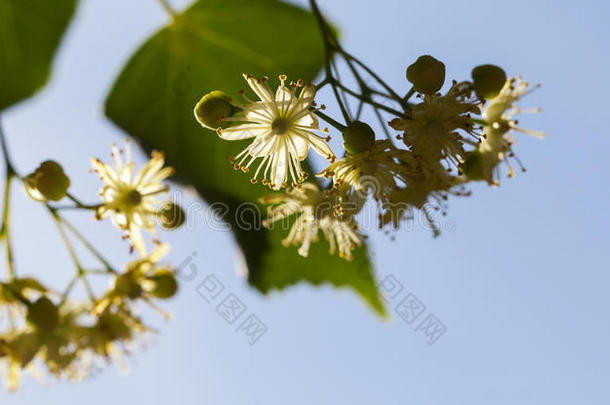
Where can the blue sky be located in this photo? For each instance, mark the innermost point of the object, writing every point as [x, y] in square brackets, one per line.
[520, 280]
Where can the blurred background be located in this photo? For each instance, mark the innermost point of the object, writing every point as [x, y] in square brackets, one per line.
[519, 278]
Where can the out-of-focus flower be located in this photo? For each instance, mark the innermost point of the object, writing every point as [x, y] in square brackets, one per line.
[496, 143]
[427, 191]
[328, 211]
[435, 126]
[142, 279]
[130, 199]
[378, 170]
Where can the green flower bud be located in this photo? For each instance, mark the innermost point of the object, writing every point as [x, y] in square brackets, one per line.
[427, 74]
[47, 182]
[358, 137]
[126, 286]
[4, 348]
[113, 327]
[24, 347]
[44, 315]
[212, 107]
[165, 284]
[172, 216]
[56, 358]
[474, 166]
[488, 80]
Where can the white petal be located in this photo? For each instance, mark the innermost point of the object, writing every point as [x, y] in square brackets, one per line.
[283, 94]
[309, 120]
[260, 88]
[243, 131]
[259, 112]
[126, 173]
[135, 236]
[262, 145]
[317, 143]
[279, 168]
[301, 146]
[308, 93]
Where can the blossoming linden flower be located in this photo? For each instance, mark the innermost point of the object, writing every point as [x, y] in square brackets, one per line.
[130, 199]
[376, 171]
[282, 126]
[432, 128]
[496, 143]
[73, 338]
[315, 211]
[427, 191]
[19, 340]
[142, 279]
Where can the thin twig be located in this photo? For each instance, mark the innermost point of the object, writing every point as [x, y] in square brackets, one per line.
[168, 8]
[79, 205]
[331, 121]
[5, 229]
[80, 272]
[328, 51]
[86, 244]
[369, 101]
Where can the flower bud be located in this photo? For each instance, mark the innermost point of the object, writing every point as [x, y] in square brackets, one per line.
[474, 166]
[358, 137]
[4, 348]
[172, 216]
[126, 286]
[24, 347]
[427, 74]
[44, 315]
[165, 284]
[47, 182]
[113, 327]
[212, 107]
[488, 80]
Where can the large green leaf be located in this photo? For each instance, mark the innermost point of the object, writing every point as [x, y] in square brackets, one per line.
[30, 31]
[208, 47]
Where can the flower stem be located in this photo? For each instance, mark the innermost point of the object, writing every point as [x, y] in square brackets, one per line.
[409, 94]
[372, 73]
[79, 204]
[331, 121]
[479, 121]
[64, 238]
[5, 229]
[87, 244]
[168, 8]
[385, 127]
[328, 49]
[369, 101]
[80, 271]
[332, 47]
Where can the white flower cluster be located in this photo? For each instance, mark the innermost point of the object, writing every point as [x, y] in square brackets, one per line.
[445, 146]
[43, 329]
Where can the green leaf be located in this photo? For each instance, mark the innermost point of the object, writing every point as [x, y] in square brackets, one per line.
[208, 47]
[30, 31]
[280, 267]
